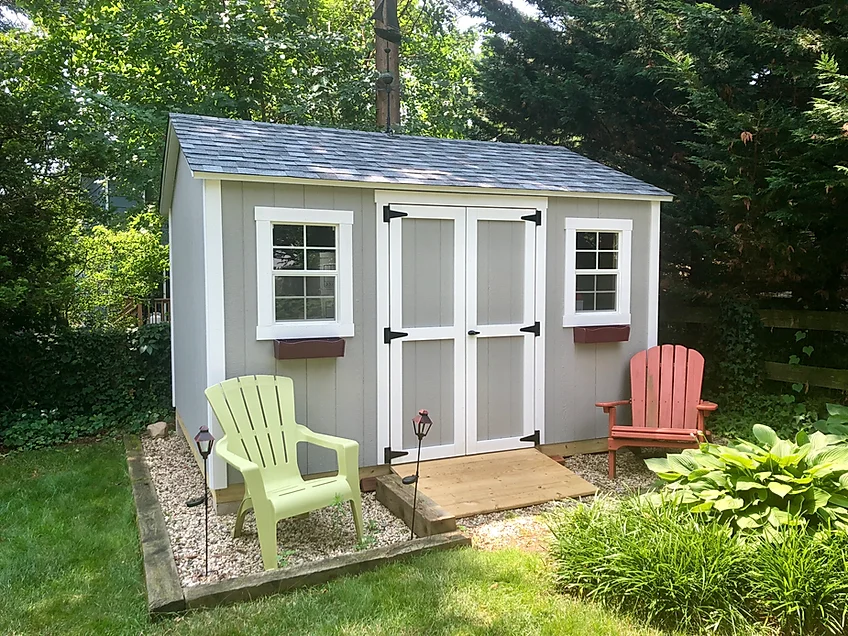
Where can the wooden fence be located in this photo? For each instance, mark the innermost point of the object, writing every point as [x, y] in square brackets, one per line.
[781, 319]
[149, 311]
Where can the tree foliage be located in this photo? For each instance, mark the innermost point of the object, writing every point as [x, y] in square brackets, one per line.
[737, 109]
[117, 265]
[87, 86]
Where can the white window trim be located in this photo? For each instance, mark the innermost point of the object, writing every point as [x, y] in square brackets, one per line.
[621, 315]
[268, 328]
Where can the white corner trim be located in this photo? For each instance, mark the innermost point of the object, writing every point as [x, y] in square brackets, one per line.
[267, 327]
[213, 266]
[171, 299]
[621, 316]
[654, 276]
[540, 342]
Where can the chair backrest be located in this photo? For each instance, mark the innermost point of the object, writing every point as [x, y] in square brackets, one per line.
[257, 415]
[665, 384]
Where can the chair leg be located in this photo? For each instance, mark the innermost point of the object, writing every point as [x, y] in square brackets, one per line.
[244, 508]
[356, 509]
[612, 464]
[267, 529]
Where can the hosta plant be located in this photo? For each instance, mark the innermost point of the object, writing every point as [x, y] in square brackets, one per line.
[761, 487]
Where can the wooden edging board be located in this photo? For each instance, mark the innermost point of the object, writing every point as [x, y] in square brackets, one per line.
[430, 519]
[166, 596]
[164, 593]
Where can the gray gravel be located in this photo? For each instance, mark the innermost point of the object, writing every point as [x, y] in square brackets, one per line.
[320, 534]
[329, 532]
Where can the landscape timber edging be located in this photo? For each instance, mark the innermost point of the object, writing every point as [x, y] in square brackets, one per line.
[162, 582]
[165, 595]
[272, 582]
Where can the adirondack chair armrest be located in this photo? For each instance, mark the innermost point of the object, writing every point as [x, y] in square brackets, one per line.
[347, 450]
[249, 470]
[707, 407]
[608, 406]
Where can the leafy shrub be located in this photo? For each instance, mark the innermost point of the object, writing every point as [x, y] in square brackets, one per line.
[681, 570]
[72, 383]
[761, 488]
[659, 563]
[799, 581]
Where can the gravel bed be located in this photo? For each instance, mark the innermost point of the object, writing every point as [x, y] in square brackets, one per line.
[320, 534]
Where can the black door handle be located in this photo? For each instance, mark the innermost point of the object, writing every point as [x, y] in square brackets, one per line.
[471, 332]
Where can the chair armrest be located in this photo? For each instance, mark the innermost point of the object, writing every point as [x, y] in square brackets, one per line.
[611, 405]
[347, 450]
[249, 470]
[707, 406]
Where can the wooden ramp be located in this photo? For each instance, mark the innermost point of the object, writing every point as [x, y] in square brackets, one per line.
[477, 484]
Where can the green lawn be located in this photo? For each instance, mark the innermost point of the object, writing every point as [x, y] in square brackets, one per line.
[70, 564]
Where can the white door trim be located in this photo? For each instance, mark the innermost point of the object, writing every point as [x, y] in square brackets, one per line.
[473, 215]
[404, 196]
[456, 332]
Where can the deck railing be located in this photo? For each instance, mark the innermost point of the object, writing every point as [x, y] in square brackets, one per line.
[149, 311]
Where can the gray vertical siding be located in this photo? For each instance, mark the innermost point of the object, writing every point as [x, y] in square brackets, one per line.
[188, 298]
[578, 375]
[337, 396]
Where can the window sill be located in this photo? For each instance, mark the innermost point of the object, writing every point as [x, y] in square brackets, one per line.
[596, 319]
[304, 330]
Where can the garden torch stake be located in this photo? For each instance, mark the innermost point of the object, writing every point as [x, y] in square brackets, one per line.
[421, 426]
[204, 441]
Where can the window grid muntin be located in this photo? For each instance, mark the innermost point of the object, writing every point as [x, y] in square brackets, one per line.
[597, 243]
[329, 302]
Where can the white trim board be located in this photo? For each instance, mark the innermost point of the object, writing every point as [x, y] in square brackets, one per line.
[420, 188]
[267, 327]
[654, 275]
[621, 316]
[213, 266]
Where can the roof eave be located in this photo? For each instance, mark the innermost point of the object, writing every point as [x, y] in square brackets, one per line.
[385, 185]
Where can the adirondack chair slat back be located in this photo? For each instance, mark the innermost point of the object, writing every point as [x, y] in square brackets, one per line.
[257, 415]
[665, 385]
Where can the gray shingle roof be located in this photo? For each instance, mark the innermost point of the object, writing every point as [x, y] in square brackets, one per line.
[229, 146]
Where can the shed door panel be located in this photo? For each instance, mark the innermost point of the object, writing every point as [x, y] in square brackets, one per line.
[500, 361]
[427, 365]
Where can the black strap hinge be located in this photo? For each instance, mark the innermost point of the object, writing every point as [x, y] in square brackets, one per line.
[389, 214]
[536, 217]
[389, 454]
[535, 329]
[389, 335]
[534, 437]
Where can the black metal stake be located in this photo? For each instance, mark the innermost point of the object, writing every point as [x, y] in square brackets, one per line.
[206, 516]
[415, 495]
[421, 426]
[388, 94]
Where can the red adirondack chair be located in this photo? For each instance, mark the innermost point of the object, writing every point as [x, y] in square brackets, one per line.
[666, 405]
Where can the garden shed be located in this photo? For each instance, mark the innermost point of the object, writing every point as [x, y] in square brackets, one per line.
[503, 287]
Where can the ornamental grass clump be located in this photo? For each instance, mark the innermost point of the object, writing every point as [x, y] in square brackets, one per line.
[763, 487]
[662, 564]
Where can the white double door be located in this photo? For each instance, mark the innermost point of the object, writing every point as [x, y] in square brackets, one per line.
[462, 328]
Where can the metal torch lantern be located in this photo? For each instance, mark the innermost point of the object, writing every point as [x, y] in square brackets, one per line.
[421, 425]
[205, 441]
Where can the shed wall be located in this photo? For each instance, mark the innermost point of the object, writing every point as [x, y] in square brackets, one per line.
[188, 302]
[337, 396]
[578, 375]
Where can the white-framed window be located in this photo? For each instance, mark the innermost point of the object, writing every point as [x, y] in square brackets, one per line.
[597, 272]
[304, 273]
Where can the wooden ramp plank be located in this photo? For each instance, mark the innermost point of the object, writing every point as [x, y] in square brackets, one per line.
[477, 484]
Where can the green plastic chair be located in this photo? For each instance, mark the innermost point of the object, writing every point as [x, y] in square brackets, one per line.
[261, 438]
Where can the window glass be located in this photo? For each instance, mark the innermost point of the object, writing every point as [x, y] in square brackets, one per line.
[300, 293]
[597, 263]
